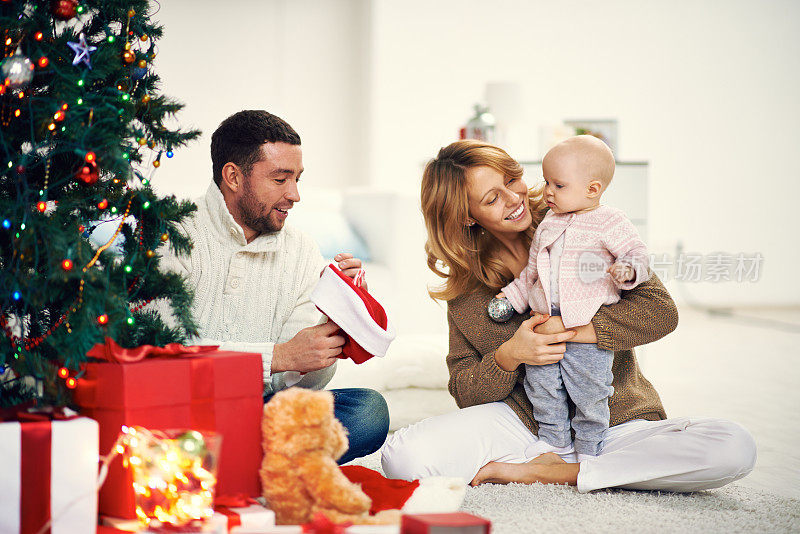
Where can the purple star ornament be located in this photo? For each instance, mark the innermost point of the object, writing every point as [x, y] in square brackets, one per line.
[82, 51]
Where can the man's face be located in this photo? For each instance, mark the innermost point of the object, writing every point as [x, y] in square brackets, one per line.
[270, 190]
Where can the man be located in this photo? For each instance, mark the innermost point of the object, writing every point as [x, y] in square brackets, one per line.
[253, 274]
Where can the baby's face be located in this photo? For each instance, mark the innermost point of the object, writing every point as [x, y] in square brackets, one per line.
[566, 185]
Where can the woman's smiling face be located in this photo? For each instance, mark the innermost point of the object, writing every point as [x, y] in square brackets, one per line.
[497, 203]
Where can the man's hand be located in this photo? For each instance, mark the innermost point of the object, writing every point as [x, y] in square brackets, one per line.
[349, 266]
[621, 272]
[313, 348]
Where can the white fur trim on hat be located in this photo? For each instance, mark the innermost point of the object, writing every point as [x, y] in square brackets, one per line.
[338, 301]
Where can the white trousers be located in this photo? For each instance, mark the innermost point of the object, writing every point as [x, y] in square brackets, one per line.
[682, 454]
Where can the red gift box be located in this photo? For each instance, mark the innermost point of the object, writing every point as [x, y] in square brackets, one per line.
[49, 473]
[453, 523]
[214, 391]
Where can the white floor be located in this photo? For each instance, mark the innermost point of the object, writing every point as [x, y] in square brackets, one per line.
[746, 370]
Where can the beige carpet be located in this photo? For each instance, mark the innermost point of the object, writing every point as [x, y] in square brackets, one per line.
[517, 508]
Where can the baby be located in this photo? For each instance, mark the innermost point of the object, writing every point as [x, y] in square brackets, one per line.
[582, 255]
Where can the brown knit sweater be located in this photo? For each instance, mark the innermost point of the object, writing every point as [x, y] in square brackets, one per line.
[643, 315]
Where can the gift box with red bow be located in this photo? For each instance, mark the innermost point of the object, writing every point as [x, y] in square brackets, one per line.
[453, 523]
[49, 472]
[242, 514]
[170, 388]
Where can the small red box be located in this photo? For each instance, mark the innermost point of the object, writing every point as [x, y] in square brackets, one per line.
[454, 523]
[214, 391]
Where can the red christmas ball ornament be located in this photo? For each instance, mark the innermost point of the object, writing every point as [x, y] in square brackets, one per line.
[88, 173]
[64, 9]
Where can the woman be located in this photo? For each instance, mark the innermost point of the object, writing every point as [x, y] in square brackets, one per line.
[480, 218]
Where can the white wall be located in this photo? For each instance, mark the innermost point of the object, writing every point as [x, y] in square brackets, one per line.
[703, 90]
[300, 59]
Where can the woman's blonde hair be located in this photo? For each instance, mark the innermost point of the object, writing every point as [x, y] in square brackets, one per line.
[466, 256]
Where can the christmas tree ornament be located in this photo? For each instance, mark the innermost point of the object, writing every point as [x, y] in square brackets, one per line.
[82, 51]
[150, 254]
[64, 9]
[17, 71]
[164, 237]
[142, 63]
[128, 57]
[500, 310]
[145, 99]
[88, 173]
[137, 73]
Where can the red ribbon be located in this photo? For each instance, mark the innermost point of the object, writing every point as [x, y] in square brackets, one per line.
[223, 503]
[112, 352]
[36, 448]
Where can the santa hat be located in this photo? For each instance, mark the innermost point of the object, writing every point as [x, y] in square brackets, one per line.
[430, 495]
[367, 329]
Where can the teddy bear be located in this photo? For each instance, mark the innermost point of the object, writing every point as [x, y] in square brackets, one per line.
[302, 441]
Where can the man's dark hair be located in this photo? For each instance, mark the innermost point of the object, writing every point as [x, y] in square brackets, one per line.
[238, 139]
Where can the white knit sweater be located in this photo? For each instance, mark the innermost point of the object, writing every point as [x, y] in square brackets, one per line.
[250, 296]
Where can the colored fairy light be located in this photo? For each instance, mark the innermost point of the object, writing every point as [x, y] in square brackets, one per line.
[169, 153]
[51, 126]
[17, 295]
[90, 157]
[146, 204]
[17, 112]
[130, 320]
[113, 209]
[80, 101]
[22, 226]
[71, 383]
[128, 268]
[43, 61]
[111, 39]
[67, 265]
[59, 115]
[41, 206]
[80, 83]
[6, 224]
[125, 155]
[38, 36]
[103, 204]
[63, 372]
[102, 319]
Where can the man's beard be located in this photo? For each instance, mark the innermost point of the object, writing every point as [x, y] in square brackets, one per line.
[256, 215]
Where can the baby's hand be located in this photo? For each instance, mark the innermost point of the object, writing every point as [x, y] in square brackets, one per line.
[621, 272]
[500, 296]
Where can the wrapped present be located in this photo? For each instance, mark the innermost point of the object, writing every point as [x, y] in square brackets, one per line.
[199, 388]
[50, 462]
[452, 523]
[242, 514]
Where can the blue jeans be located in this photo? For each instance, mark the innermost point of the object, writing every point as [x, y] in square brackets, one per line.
[363, 412]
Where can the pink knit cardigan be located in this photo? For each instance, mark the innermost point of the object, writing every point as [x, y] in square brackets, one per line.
[593, 241]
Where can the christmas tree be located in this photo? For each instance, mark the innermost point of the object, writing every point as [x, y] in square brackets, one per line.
[83, 131]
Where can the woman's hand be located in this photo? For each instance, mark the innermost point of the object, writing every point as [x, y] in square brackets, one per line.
[350, 266]
[532, 348]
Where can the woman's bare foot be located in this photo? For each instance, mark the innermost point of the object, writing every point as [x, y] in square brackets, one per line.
[547, 468]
